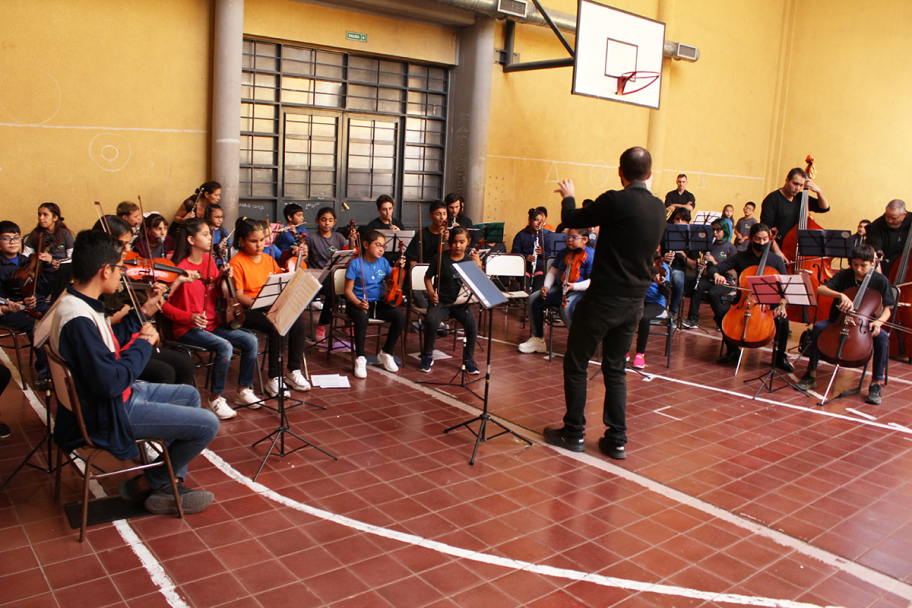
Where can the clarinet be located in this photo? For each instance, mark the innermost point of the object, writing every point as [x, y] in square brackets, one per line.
[700, 268]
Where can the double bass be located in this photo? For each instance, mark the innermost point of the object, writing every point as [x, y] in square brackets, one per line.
[901, 341]
[848, 342]
[819, 269]
[749, 324]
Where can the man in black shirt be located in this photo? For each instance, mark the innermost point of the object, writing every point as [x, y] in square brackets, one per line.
[427, 242]
[385, 221]
[781, 211]
[887, 234]
[681, 197]
[862, 261]
[759, 237]
[632, 221]
[456, 211]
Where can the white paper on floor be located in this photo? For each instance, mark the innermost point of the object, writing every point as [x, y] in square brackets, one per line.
[438, 355]
[330, 381]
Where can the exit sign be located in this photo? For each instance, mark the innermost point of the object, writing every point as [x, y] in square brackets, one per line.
[356, 36]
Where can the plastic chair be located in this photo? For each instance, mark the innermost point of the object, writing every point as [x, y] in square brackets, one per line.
[511, 265]
[65, 392]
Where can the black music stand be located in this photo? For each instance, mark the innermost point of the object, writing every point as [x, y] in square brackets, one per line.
[48, 438]
[491, 232]
[825, 243]
[488, 296]
[287, 299]
[772, 290]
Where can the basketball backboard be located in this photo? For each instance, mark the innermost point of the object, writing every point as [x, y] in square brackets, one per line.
[618, 55]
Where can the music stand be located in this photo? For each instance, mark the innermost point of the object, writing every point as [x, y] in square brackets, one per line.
[287, 295]
[488, 296]
[772, 290]
[558, 242]
[48, 438]
[825, 243]
[491, 232]
[706, 217]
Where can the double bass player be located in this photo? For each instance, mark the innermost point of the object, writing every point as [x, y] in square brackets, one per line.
[780, 211]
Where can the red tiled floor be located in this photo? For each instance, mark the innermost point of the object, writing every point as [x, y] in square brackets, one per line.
[839, 485]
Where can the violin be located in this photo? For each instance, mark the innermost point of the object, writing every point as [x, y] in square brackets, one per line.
[848, 341]
[573, 271]
[26, 277]
[231, 312]
[819, 269]
[32, 313]
[396, 280]
[748, 324]
[290, 262]
[160, 270]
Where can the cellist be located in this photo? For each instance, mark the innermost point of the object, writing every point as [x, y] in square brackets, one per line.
[759, 237]
[780, 210]
[887, 234]
[862, 260]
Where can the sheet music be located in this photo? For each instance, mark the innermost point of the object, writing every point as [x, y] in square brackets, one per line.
[271, 290]
[295, 297]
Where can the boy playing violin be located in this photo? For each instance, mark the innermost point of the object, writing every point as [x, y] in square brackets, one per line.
[862, 260]
[572, 267]
[21, 312]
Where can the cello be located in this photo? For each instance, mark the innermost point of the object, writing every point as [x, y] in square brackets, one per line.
[848, 342]
[819, 269]
[901, 342]
[748, 324]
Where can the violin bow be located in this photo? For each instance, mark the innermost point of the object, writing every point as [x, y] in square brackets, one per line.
[126, 282]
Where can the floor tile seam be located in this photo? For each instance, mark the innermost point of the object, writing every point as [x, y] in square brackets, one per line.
[459, 553]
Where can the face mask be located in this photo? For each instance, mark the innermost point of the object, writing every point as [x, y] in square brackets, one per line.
[758, 249]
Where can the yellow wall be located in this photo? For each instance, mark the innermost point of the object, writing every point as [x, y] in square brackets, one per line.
[847, 100]
[97, 104]
[292, 21]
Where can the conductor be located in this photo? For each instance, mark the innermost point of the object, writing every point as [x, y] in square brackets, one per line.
[631, 223]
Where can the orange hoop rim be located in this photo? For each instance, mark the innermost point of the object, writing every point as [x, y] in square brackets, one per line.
[623, 79]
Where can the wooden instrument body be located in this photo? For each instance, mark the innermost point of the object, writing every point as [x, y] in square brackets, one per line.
[858, 345]
[26, 277]
[820, 271]
[901, 341]
[748, 324]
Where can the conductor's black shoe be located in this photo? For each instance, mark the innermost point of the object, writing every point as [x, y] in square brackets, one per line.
[873, 394]
[729, 357]
[784, 364]
[807, 382]
[611, 449]
[558, 438]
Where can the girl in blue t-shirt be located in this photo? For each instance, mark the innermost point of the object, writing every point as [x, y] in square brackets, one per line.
[365, 286]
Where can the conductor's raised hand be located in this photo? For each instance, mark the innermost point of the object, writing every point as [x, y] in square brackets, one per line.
[565, 188]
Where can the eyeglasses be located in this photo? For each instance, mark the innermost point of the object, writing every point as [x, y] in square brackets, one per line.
[121, 268]
[10, 239]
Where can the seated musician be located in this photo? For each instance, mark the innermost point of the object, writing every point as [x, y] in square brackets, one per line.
[364, 290]
[456, 211]
[888, 233]
[117, 409]
[21, 312]
[286, 242]
[251, 267]
[426, 243]
[759, 237]
[653, 308]
[444, 292]
[129, 212]
[221, 242]
[191, 309]
[535, 247]
[384, 219]
[323, 244]
[576, 253]
[720, 252]
[153, 241]
[862, 260]
[680, 263]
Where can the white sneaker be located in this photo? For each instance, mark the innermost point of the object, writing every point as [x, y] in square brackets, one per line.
[316, 305]
[297, 382]
[221, 408]
[388, 362]
[272, 388]
[533, 345]
[246, 397]
[361, 367]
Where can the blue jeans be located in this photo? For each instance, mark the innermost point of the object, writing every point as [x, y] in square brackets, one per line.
[537, 306]
[222, 340]
[171, 412]
[677, 291]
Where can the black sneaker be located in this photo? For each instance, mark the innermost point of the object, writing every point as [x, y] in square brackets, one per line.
[690, 323]
[129, 490]
[161, 501]
[471, 368]
[874, 394]
[425, 365]
[611, 449]
[558, 438]
[729, 357]
[4, 430]
[784, 364]
[807, 382]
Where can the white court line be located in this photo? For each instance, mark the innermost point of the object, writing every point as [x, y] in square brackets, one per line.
[862, 414]
[156, 572]
[496, 560]
[14, 124]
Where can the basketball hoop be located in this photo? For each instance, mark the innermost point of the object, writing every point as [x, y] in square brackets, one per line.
[626, 77]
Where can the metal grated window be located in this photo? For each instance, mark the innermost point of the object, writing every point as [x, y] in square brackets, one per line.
[322, 128]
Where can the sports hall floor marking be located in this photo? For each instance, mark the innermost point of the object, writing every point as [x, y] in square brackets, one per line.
[864, 573]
